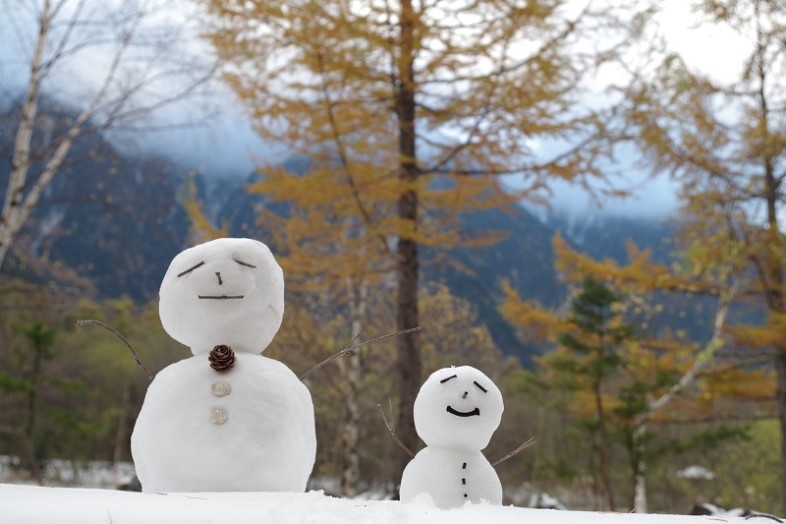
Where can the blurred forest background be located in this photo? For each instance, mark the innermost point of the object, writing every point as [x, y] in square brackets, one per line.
[408, 157]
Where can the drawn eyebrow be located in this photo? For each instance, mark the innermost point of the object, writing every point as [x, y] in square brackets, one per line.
[484, 390]
[244, 263]
[446, 379]
[189, 270]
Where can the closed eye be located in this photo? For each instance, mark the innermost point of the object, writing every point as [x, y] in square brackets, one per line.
[446, 379]
[244, 263]
[484, 390]
[189, 270]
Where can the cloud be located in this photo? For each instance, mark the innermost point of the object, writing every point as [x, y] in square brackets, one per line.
[650, 197]
[209, 132]
[227, 146]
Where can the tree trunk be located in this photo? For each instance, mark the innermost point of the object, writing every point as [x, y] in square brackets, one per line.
[639, 471]
[780, 366]
[20, 163]
[18, 206]
[605, 459]
[408, 351]
[351, 369]
[122, 433]
[774, 267]
[32, 412]
[640, 487]
[701, 360]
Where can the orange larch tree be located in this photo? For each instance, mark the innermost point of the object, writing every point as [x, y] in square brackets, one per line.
[402, 109]
[725, 143]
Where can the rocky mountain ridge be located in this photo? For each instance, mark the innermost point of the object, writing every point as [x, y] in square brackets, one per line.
[111, 223]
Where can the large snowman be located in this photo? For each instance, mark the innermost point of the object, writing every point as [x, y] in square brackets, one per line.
[456, 412]
[226, 419]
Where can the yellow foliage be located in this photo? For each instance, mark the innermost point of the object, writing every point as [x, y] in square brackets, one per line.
[538, 322]
[390, 154]
[769, 335]
[735, 382]
[202, 228]
[640, 275]
[645, 358]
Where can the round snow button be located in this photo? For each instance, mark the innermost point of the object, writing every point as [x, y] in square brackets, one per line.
[219, 416]
[220, 389]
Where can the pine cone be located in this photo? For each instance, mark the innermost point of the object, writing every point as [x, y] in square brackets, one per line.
[222, 358]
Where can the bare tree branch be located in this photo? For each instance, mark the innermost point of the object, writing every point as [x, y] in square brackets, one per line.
[121, 337]
[704, 356]
[352, 346]
[340, 147]
[393, 432]
[531, 442]
[126, 90]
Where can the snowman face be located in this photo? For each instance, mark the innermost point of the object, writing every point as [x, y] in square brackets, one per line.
[227, 291]
[458, 408]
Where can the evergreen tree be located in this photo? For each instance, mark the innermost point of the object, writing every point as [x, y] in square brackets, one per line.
[649, 368]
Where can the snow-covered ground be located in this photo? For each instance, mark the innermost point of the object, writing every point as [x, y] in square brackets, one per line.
[34, 505]
[57, 472]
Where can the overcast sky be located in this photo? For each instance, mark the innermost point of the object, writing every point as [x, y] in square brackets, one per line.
[714, 51]
[229, 147]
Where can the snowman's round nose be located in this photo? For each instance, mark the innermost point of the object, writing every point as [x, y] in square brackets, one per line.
[218, 276]
[465, 394]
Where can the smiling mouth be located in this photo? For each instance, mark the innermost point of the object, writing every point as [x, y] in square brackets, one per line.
[474, 412]
[220, 297]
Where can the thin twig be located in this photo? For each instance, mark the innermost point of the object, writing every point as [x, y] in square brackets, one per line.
[393, 432]
[353, 347]
[762, 516]
[121, 337]
[342, 352]
[530, 442]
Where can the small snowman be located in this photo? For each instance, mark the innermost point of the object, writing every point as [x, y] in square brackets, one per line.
[456, 412]
[226, 419]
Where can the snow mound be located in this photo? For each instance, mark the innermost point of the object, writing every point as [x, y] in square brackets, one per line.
[34, 505]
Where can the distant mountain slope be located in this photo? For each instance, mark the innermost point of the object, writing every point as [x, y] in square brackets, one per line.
[526, 259]
[604, 235]
[113, 223]
[108, 222]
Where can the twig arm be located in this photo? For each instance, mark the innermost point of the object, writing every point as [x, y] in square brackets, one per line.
[763, 516]
[351, 347]
[530, 442]
[393, 432]
[121, 337]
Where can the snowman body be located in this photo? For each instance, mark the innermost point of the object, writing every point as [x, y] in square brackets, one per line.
[245, 427]
[451, 477]
[248, 429]
[456, 412]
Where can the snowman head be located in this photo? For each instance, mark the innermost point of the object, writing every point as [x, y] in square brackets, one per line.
[226, 291]
[458, 408]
